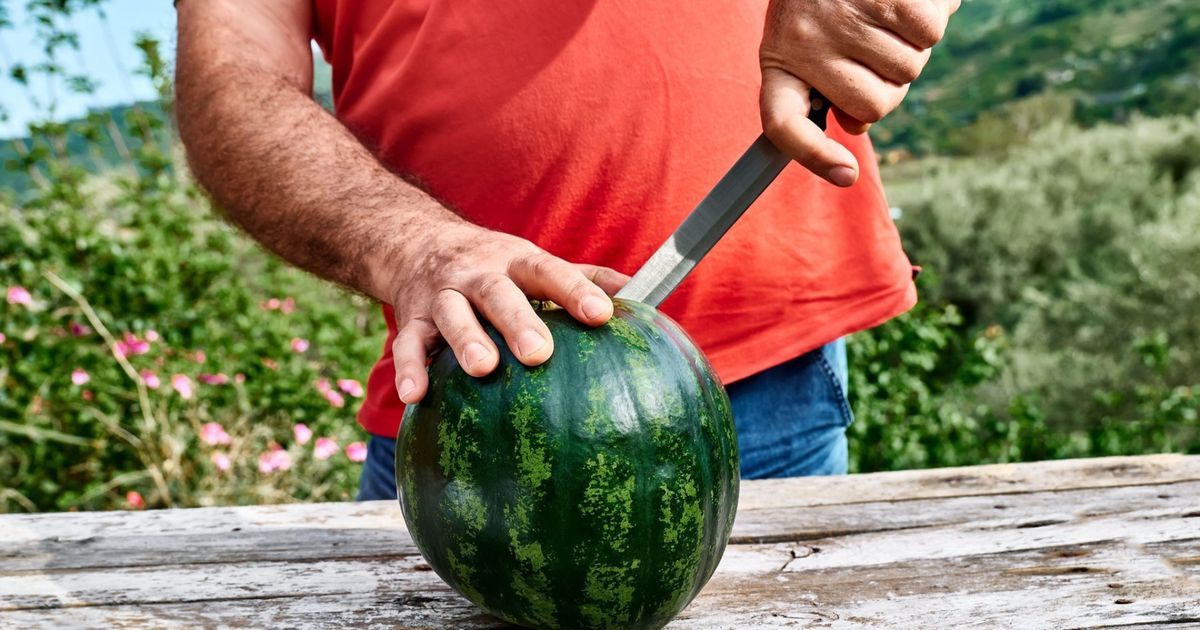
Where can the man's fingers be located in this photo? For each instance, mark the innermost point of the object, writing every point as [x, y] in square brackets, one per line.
[784, 105]
[507, 308]
[850, 124]
[859, 91]
[921, 22]
[413, 344]
[610, 280]
[889, 55]
[548, 277]
[456, 320]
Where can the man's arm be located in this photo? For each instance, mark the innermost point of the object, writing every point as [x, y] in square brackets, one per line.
[297, 181]
[860, 54]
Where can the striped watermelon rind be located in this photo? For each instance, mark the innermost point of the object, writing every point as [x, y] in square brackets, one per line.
[595, 491]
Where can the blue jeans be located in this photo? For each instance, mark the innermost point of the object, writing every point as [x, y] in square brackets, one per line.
[791, 422]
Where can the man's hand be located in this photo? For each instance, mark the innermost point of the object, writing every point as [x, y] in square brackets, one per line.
[861, 54]
[302, 185]
[469, 269]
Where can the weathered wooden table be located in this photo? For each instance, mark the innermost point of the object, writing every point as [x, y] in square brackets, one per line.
[1085, 543]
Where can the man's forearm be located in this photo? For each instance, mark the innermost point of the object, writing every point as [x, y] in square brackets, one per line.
[293, 177]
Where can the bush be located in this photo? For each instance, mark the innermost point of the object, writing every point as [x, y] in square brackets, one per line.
[1084, 246]
[142, 265]
[150, 355]
[911, 385]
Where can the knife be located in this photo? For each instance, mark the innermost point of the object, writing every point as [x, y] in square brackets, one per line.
[717, 212]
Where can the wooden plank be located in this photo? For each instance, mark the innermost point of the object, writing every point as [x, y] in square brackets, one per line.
[1102, 472]
[1000, 536]
[888, 487]
[819, 521]
[1047, 557]
[1037, 589]
[312, 532]
[35, 528]
[874, 551]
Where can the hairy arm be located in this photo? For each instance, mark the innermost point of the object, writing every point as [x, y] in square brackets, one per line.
[281, 167]
[297, 181]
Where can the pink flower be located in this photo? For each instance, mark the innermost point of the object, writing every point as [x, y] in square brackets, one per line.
[330, 394]
[239, 377]
[19, 295]
[152, 335]
[287, 306]
[270, 363]
[350, 386]
[302, 433]
[274, 459]
[299, 345]
[356, 451]
[150, 379]
[87, 395]
[182, 385]
[3, 338]
[335, 399]
[134, 500]
[213, 379]
[199, 356]
[221, 461]
[79, 330]
[131, 345]
[325, 448]
[271, 304]
[80, 376]
[212, 434]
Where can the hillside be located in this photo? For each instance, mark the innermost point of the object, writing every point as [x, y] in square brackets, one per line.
[1009, 66]
[103, 153]
[92, 143]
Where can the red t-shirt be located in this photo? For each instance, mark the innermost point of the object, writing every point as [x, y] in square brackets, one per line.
[591, 129]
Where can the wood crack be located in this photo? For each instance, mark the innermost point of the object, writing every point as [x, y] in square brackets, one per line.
[171, 602]
[155, 567]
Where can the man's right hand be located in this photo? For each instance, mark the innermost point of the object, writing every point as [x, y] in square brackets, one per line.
[467, 269]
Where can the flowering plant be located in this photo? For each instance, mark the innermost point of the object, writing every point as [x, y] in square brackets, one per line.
[150, 355]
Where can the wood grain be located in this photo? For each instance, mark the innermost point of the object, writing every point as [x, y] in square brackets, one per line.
[1073, 544]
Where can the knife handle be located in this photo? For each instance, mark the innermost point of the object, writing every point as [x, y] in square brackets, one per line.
[818, 108]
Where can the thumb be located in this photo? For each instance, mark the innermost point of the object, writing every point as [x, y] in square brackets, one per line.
[783, 103]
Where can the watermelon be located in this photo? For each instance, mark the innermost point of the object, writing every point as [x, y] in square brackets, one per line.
[594, 491]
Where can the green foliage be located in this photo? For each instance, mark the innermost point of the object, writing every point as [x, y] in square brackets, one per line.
[139, 251]
[911, 386]
[1083, 248]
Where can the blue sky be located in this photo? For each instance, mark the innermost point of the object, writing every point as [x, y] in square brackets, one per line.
[97, 59]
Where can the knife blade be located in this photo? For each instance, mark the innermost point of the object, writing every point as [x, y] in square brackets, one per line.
[712, 218]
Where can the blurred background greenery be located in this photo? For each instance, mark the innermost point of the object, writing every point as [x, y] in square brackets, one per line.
[1045, 172]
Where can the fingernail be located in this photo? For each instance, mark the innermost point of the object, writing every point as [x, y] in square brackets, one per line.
[593, 307]
[406, 387]
[474, 354]
[529, 342]
[842, 175]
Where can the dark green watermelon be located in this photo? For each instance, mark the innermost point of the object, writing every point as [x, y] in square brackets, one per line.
[595, 491]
